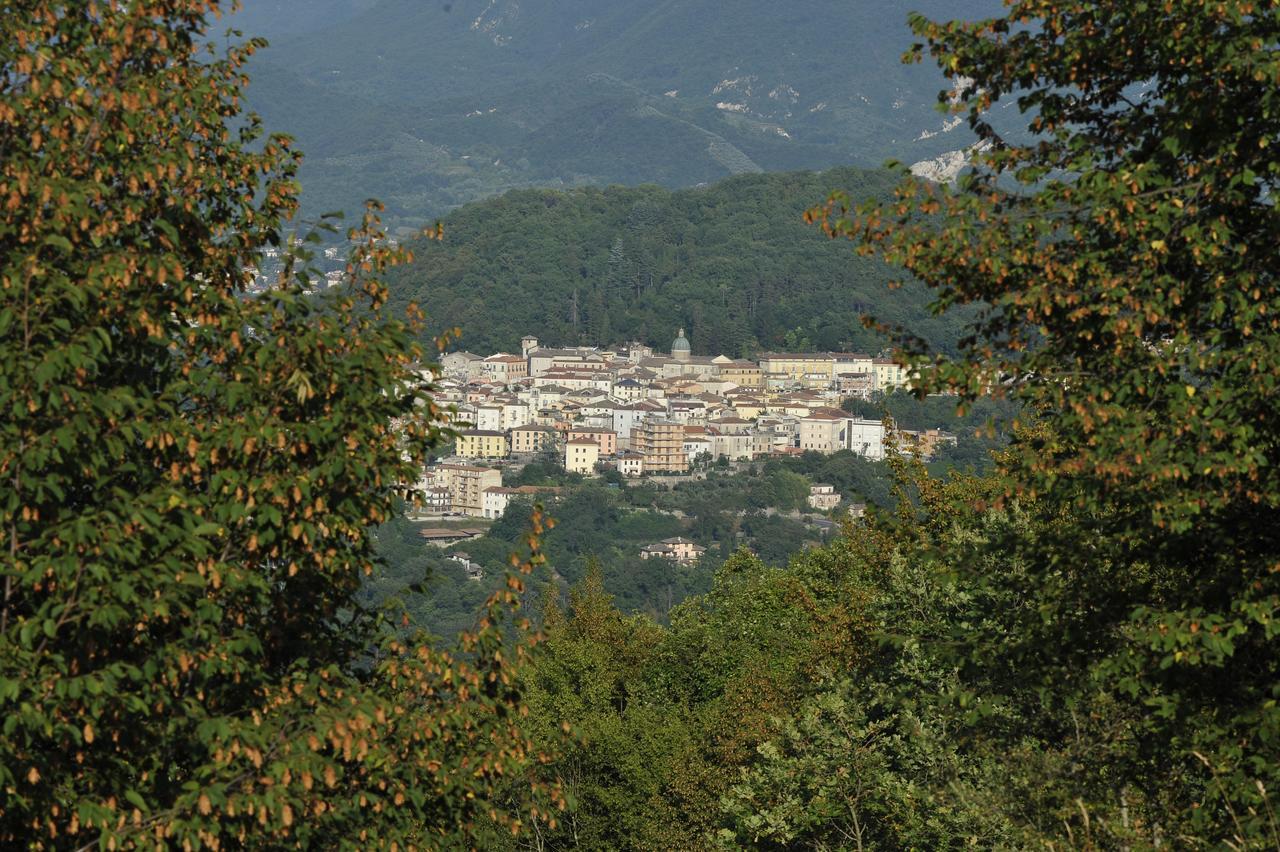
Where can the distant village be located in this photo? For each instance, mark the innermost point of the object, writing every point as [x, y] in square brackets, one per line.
[646, 414]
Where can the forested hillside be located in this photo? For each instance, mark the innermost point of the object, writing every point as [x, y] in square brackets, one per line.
[428, 105]
[733, 263]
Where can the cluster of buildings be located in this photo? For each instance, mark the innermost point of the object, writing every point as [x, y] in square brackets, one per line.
[644, 413]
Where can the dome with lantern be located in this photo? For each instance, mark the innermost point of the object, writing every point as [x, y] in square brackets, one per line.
[680, 348]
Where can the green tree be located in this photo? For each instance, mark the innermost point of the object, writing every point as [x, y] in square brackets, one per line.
[1122, 255]
[192, 471]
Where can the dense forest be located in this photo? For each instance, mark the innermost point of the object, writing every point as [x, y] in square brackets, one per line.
[732, 263]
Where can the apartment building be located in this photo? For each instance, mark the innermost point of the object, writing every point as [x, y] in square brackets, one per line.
[466, 485]
[661, 442]
[532, 439]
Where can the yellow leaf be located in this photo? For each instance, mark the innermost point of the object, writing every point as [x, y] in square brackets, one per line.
[1158, 245]
[1191, 391]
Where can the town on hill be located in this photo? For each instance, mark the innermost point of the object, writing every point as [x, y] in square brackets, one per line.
[648, 414]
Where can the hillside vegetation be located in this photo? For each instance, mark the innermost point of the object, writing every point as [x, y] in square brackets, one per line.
[430, 105]
[733, 263]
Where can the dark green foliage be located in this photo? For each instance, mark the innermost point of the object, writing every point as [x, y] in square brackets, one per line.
[732, 263]
[191, 473]
[769, 712]
[1124, 262]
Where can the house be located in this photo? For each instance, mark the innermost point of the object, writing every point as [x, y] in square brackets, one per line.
[737, 446]
[435, 499]
[864, 437]
[823, 497]
[748, 407]
[630, 463]
[532, 439]
[695, 446]
[730, 425]
[514, 412]
[856, 385]
[581, 455]
[472, 569]
[676, 549]
[852, 364]
[482, 444]
[496, 499]
[629, 390]
[487, 417]
[627, 417]
[543, 359]
[505, 369]
[820, 431]
[606, 439]
[889, 374]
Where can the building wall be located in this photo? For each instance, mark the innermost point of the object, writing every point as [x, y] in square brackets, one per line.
[482, 445]
[864, 437]
[532, 440]
[466, 486]
[581, 456]
[889, 375]
[820, 435]
[812, 369]
[661, 443]
[605, 439]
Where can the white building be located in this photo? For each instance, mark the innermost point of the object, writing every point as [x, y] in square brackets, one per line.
[496, 500]
[823, 497]
[630, 463]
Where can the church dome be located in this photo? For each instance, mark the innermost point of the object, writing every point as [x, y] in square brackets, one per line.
[680, 346]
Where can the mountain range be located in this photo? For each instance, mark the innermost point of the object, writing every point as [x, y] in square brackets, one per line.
[429, 104]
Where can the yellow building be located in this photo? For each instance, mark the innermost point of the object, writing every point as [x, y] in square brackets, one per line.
[889, 375]
[581, 455]
[482, 444]
[744, 374]
[532, 439]
[812, 369]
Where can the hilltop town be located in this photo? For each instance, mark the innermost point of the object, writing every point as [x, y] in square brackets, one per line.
[646, 414]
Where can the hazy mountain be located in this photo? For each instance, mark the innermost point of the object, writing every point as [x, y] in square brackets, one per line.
[429, 104]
